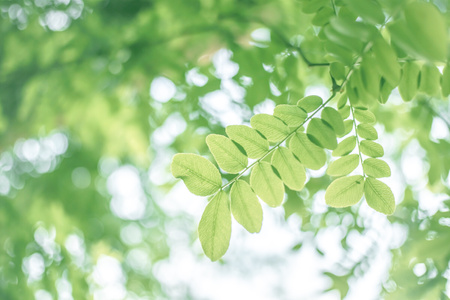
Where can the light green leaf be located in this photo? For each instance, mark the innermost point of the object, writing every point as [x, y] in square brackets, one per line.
[348, 125]
[445, 82]
[367, 131]
[342, 101]
[379, 196]
[387, 63]
[430, 80]
[429, 29]
[214, 229]
[311, 156]
[369, 11]
[271, 127]
[409, 81]
[337, 70]
[370, 77]
[266, 184]
[290, 169]
[345, 191]
[334, 119]
[321, 134]
[226, 154]
[364, 116]
[245, 206]
[199, 174]
[344, 112]
[310, 103]
[292, 115]
[371, 148]
[322, 16]
[252, 142]
[343, 166]
[345, 146]
[376, 168]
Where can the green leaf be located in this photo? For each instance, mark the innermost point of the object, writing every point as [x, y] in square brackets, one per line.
[342, 101]
[430, 31]
[322, 16]
[376, 168]
[271, 127]
[290, 169]
[379, 196]
[252, 142]
[344, 112]
[445, 82]
[409, 81]
[343, 166]
[345, 191]
[369, 11]
[345, 146]
[371, 148]
[245, 206]
[370, 78]
[387, 63]
[348, 125]
[367, 131]
[364, 116]
[310, 103]
[292, 115]
[334, 119]
[321, 134]
[266, 184]
[200, 176]
[226, 154]
[337, 70]
[214, 229]
[311, 156]
[430, 80]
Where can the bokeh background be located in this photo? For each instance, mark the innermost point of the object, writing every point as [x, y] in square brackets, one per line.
[98, 95]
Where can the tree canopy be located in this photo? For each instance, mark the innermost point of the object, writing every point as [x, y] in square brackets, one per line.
[320, 126]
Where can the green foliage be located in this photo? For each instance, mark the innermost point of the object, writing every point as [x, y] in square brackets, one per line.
[199, 174]
[214, 229]
[94, 89]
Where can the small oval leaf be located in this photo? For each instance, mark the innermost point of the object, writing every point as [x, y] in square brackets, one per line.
[343, 166]
[292, 115]
[226, 154]
[310, 155]
[409, 82]
[266, 184]
[310, 103]
[245, 206]
[376, 168]
[345, 147]
[364, 116]
[252, 142]
[334, 119]
[271, 127]
[200, 176]
[321, 134]
[379, 196]
[290, 169]
[345, 191]
[367, 132]
[214, 229]
[371, 148]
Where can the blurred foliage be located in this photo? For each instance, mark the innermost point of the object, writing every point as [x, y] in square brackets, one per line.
[85, 149]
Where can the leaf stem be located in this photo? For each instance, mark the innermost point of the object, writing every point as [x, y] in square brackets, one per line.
[357, 137]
